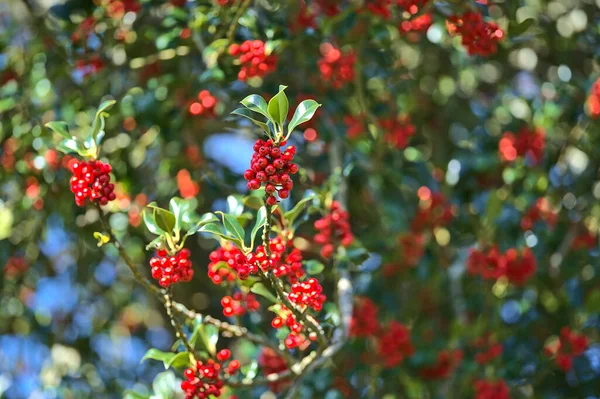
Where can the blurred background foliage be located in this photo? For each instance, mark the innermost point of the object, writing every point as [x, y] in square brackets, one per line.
[74, 324]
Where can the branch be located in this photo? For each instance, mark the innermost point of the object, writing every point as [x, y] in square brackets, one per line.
[178, 330]
[234, 22]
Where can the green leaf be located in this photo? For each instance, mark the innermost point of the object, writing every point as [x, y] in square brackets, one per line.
[256, 103]
[204, 219]
[179, 361]
[97, 131]
[233, 227]
[314, 267]
[235, 205]
[69, 146]
[278, 106]
[165, 220]
[155, 354]
[261, 289]
[304, 112]
[520, 28]
[215, 230]
[180, 209]
[60, 128]
[247, 114]
[261, 218]
[293, 213]
[150, 222]
[250, 370]
[208, 335]
[164, 385]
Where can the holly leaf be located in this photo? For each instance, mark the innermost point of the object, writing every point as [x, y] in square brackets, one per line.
[256, 103]
[248, 115]
[278, 106]
[60, 128]
[261, 219]
[261, 289]
[304, 112]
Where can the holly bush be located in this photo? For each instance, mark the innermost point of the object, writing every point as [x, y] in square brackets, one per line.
[299, 199]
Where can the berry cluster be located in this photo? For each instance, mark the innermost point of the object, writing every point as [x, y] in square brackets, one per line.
[295, 339]
[412, 248]
[335, 67]
[541, 210]
[593, 100]
[446, 362]
[91, 181]
[15, 266]
[330, 8]
[239, 303]
[411, 6]
[488, 350]
[272, 166]
[308, 293]
[335, 226]
[569, 345]
[270, 363]
[171, 269]
[205, 380]
[418, 24]
[365, 321]
[223, 263]
[253, 58]
[205, 105]
[398, 131]
[492, 264]
[434, 211]
[394, 344]
[355, 126]
[491, 389]
[478, 36]
[526, 143]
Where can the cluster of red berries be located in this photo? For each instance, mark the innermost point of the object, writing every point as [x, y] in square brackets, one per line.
[253, 58]
[204, 381]
[478, 36]
[412, 248]
[205, 105]
[272, 166]
[171, 269]
[91, 181]
[593, 100]
[488, 349]
[418, 24]
[446, 362]
[271, 363]
[492, 264]
[434, 211]
[526, 143]
[15, 266]
[285, 318]
[570, 344]
[239, 303]
[412, 6]
[334, 226]
[365, 320]
[308, 293]
[228, 254]
[335, 67]
[394, 344]
[398, 131]
[491, 389]
[541, 210]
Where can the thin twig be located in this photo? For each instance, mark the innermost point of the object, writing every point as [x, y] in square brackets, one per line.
[178, 329]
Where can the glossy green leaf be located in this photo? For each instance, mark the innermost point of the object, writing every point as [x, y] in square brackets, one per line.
[164, 219]
[261, 219]
[60, 128]
[204, 219]
[314, 267]
[179, 361]
[70, 146]
[155, 354]
[232, 226]
[180, 209]
[150, 222]
[517, 29]
[261, 289]
[304, 112]
[134, 395]
[256, 103]
[291, 215]
[207, 335]
[278, 106]
[97, 131]
[164, 385]
[247, 114]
